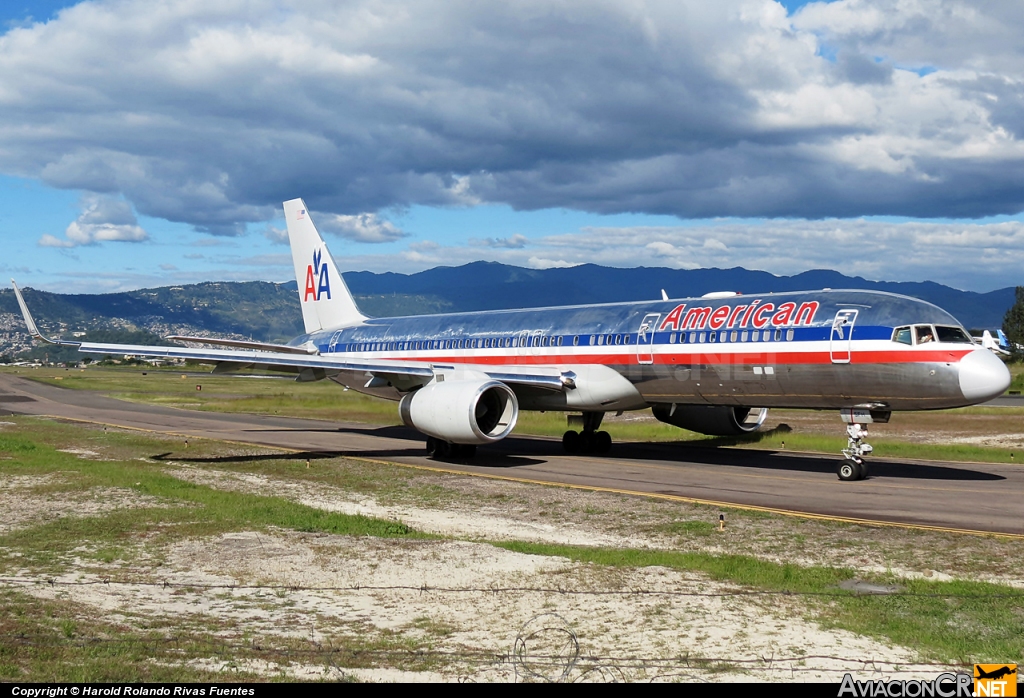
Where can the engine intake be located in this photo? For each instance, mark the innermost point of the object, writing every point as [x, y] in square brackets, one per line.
[712, 420]
[462, 411]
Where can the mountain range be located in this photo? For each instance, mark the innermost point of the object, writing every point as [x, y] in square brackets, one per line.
[270, 312]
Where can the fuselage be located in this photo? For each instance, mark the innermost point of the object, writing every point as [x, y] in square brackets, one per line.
[818, 349]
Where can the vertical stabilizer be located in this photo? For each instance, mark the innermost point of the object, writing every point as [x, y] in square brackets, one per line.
[325, 299]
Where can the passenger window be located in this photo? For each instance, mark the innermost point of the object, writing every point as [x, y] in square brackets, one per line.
[576, 340]
[778, 335]
[924, 334]
[789, 335]
[693, 337]
[702, 337]
[744, 335]
[592, 340]
[712, 336]
[627, 338]
[600, 339]
[671, 338]
[734, 336]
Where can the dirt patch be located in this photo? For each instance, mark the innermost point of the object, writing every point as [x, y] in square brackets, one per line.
[20, 507]
[470, 507]
[484, 522]
[469, 602]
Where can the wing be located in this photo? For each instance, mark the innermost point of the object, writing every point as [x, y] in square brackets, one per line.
[306, 361]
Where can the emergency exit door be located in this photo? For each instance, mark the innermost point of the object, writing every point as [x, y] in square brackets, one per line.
[645, 339]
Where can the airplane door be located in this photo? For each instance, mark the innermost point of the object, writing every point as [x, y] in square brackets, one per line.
[842, 335]
[645, 339]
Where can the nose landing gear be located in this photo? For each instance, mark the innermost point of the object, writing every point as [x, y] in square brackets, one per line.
[854, 467]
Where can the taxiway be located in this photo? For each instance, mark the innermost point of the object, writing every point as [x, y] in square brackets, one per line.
[971, 497]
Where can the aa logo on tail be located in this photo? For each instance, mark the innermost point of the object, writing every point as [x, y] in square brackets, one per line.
[318, 281]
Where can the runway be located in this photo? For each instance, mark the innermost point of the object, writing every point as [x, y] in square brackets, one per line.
[970, 497]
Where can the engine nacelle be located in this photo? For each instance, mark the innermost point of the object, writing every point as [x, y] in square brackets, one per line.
[712, 420]
[462, 411]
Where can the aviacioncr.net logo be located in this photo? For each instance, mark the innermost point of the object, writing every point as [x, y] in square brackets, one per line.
[942, 686]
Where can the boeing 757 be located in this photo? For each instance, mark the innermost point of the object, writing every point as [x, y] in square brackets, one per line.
[713, 365]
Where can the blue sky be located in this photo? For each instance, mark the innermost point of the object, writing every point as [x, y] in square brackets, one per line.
[849, 135]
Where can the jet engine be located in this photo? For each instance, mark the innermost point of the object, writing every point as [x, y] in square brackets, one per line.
[712, 420]
[462, 411]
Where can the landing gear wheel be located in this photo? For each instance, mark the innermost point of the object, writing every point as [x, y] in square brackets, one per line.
[463, 451]
[862, 469]
[602, 442]
[849, 470]
[431, 446]
[571, 441]
[442, 449]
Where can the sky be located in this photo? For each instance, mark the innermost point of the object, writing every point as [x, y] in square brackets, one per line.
[151, 144]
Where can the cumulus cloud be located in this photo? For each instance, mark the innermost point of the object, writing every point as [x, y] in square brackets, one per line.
[985, 256]
[365, 227]
[682, 107]
[276, 235]
[515, 242]
[103, 219]
[543, 263]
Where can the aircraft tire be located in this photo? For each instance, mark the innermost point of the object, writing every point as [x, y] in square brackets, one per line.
[431, 446]
[862, 470]
[463, 451]
[571, 441]
[602, 442]
[848, 470]
[442, 450]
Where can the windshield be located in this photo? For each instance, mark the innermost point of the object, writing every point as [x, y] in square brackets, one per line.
[952, 334]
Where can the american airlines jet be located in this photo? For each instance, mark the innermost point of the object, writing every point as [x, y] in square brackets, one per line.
[713, 364]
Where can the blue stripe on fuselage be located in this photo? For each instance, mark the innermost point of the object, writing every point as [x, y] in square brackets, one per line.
[879, 313]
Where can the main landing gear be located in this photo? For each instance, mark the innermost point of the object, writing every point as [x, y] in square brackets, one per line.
[590, 440]
[440, 450]
[854, 467]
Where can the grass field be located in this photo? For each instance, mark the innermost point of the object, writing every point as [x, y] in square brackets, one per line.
[116, 509]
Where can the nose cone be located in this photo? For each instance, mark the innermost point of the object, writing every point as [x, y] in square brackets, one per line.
[982, 376]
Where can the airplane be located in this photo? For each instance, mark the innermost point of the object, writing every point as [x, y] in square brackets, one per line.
[713, 365]
[999, 344]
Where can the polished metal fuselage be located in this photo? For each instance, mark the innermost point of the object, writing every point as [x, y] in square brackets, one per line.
[665, 358]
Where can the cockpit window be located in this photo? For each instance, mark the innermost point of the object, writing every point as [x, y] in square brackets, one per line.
[923, 334]
[902, 335]
[952, 334]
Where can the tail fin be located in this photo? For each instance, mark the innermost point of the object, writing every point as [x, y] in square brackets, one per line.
[325, 299]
